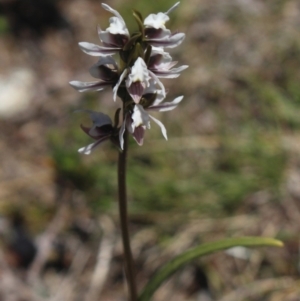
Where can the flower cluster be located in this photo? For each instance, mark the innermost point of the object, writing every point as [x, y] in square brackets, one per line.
[135, 79]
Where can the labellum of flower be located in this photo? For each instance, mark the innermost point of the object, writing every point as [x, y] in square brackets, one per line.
[138, 80]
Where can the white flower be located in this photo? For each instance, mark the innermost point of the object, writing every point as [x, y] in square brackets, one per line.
[101, 130]
[105, 69]
[139, 119]
[116, 34]
[156, 32]
[162, 65]
[117, 23]
[137, 80]
[113, 38]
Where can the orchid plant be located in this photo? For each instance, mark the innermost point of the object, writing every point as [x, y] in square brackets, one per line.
[134, 77]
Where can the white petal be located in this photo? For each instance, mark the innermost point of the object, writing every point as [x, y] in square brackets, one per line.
[139, 73]
[90, 86]
[113, 11]
[117, 25]
[129, 125]
[162, 127]
[158, 50]
[166, 106]
[163, 65]
[95, 50]
[156, 79]
[89, 148]
[86, 149]
[121, 132]
[173, 73]
[140, 117]
[172, 8]
[151, 88]
[169, 41]
[156, 20]
[116, 87]
[159, 97]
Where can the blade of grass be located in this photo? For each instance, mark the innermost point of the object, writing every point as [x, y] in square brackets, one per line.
[175, 264]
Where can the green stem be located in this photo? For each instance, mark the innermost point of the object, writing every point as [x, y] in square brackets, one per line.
[129, 267]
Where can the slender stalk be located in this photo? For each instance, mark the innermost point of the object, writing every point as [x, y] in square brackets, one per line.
[129, 267]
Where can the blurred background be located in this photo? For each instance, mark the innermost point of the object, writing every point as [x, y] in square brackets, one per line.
[231, 166]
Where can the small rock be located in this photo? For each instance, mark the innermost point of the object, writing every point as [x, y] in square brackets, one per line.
[17, 90]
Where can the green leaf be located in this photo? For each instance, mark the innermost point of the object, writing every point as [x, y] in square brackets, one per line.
[139, 19]
[175, 264]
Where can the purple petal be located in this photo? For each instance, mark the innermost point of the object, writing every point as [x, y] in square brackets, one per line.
[94, 132]
[104, 73]
[99, 119]
[136, 91]
[116, 41]
[105, 69]
[108, 60]
[156, 34]
[116, 87]
[138, 135]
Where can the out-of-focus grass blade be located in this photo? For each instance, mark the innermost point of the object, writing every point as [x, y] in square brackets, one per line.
[175, 264]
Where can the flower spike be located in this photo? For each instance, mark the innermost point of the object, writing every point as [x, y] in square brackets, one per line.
[142, 62]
